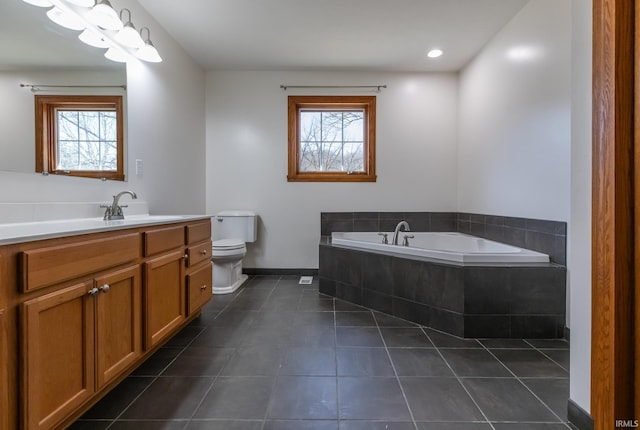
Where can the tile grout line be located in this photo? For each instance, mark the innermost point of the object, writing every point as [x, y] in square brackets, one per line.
[395, 372]
[561, 421]
[542, 352]
[155, 378]
[335, 355]
[215, 378]
[458, 378]
[275, 378]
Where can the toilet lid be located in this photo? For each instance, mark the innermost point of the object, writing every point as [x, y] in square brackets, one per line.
[228, 244]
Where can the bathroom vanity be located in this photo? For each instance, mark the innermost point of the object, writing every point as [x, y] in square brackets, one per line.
[81, 309]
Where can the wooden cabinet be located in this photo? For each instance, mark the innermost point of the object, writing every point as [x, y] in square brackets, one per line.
[118, 323]
[58, 354]
[4, 392]
[167, 302]
[76, 340]
[78, 314]
[199, 266]
[53, 264]
[199, 284]
[164, 296]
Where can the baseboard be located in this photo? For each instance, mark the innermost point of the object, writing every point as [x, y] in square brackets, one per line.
[281, 272]
[578, 416]
[567, 333]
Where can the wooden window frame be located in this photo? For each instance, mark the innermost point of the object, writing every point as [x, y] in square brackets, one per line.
[46, 106]
[368, 103]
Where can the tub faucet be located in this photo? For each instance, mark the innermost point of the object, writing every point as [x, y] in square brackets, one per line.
[401, 225]
[114, 211]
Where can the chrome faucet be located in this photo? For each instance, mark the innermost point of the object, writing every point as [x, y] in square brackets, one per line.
[401, 224]
[114, 211]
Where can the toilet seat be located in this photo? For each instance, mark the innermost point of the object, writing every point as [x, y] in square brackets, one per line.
[227, 244]
[228, 247]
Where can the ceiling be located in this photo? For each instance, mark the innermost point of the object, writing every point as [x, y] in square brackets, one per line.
[363, 35]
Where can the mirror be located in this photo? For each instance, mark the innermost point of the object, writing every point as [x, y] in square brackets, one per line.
[34, 50]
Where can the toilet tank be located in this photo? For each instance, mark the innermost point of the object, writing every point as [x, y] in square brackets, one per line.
[234, 224]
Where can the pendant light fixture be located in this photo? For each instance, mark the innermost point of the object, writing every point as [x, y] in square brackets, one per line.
[128, 35]
[116, 55]
[93, 38]
[148, 52]
[65, 19]
[103, 15]
[82, 3]
[102, 27]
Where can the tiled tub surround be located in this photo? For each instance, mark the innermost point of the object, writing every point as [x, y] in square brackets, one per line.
[506, 300]
[548, 237]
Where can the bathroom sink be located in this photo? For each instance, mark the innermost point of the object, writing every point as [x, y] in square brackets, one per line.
[155, 217]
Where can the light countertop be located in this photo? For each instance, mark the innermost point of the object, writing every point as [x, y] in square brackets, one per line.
[29, 231]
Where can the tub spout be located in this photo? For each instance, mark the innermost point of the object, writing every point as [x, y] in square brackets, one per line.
[402, 226]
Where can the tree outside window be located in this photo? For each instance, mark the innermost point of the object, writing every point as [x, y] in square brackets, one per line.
[332, 138]
[80, 136]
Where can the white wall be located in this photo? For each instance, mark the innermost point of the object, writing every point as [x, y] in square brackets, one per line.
[514, 141]
[247, 156]
[165, 104]
[580, 221]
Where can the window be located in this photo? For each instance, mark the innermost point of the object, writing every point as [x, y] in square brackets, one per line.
[80, 136]
[332, 138]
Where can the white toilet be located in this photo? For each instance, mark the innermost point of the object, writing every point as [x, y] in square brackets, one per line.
[231, 230]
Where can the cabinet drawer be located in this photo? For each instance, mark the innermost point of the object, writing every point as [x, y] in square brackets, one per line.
[163, 239]
[199, 253]
[199, 288]
[198, 232]
[47, 266]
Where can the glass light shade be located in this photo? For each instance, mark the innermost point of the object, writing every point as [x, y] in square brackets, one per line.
[149, 53]
[82, 3]
[129, 37]
[65, 19]
[39, 3]
[103, 15]
[93, 39]
[116, 55]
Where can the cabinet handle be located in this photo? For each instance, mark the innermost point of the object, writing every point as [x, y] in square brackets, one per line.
[104, 288]
[93, 291]
[204, 287]
[203, 252]
[186, 257]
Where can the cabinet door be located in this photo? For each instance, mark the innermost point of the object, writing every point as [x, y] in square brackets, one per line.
[199, 287]
[164, 296]
[57, 354]
[4, 392]
[118, 323]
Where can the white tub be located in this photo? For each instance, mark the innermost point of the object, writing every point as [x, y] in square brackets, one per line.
[458, 247]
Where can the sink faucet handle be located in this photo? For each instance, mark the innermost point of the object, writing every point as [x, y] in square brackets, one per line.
[385, 238]
[405, 240]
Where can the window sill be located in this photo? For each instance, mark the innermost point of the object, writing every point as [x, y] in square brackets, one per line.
[331, 177]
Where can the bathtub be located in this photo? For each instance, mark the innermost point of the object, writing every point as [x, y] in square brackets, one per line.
[456, 247]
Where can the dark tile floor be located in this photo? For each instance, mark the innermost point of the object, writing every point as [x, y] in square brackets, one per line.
[277, 356]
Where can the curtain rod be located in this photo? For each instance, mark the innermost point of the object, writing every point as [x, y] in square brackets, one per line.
[36, 87]
[377, 87]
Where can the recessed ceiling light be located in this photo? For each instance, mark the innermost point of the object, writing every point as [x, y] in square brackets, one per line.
[434, 53]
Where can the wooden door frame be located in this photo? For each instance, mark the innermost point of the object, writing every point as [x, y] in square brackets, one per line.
[613, 223]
